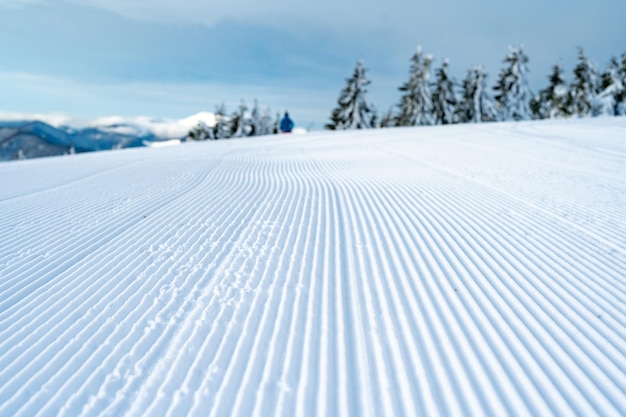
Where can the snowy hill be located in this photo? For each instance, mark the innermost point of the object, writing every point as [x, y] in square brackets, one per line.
[469, 270]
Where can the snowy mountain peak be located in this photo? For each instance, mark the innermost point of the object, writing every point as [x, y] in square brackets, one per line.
[205, 117]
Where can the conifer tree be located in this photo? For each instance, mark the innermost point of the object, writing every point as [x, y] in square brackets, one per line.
[444, 96]
[611, 98]
[553, 101]
[265, 123]
[254, 122]
[475, 104]
[222, 128]
[374, 121]
[235, 125]
[512, 92]
[239, 123]
[353, 111]
[621, 107]
[416, 107]
[583, 90]
[201, 132]
[387, 119]
[276, 124]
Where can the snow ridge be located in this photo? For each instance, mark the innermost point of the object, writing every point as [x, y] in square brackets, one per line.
[461, 270]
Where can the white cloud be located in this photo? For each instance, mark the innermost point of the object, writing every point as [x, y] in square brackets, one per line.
[53, 119]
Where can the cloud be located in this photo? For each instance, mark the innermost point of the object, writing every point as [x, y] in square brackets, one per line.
[53, 119]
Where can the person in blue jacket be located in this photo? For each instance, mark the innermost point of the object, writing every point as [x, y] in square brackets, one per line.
[286, 124]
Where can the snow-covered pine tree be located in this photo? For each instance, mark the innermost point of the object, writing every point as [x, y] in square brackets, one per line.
[611, 99]
[584, 88]
[276, 124]
[222, 128]
[258, 123]
[513, 94]
[416, 106]
[475, 104]
[239, 122]
[336, 120]
[444, 96]
[265, 122]
[254, 122]
[201, 132]
[353, 111]
[235, 125]
[387, 119]
[621, 108]
[553, 101]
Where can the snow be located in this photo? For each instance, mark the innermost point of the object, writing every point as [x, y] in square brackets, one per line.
[436, 271]
[206, 117]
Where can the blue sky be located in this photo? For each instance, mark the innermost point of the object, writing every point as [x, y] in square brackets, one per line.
[173, 58]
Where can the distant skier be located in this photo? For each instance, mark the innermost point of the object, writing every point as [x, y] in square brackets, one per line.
[286, 124]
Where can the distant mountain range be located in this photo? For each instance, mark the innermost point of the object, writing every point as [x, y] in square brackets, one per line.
[24, 139]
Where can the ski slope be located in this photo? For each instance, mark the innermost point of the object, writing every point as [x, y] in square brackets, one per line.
[474, 270]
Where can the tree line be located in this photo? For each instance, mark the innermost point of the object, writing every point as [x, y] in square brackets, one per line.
[239, 123]
[442, 100]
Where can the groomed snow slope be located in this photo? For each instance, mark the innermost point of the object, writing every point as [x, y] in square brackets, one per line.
[448, 271]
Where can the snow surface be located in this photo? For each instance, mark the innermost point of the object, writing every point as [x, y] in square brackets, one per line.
[438, 271]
